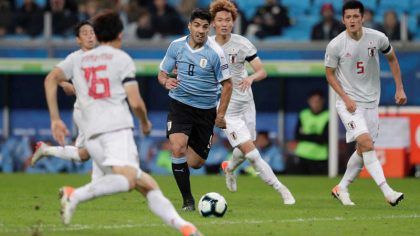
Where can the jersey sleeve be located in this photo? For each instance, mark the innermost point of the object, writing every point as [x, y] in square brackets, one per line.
[66, 66]
[169, 61]
[250, 51]
[384, 44]
[221, 67]
[331, 57]
[128, 74]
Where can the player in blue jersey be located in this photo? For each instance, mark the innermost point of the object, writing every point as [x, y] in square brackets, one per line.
[201, 66]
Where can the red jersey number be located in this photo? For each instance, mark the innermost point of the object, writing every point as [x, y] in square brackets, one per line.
[360, 67]
[99, 87]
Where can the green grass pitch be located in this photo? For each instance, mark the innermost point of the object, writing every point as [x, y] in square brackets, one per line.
[29, 206]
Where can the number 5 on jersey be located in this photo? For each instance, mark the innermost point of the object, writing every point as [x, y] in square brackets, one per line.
[360, 67]
[98, 87]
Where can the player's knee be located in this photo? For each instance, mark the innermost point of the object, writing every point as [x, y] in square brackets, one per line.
[365, 144]
[196, 165]
[179, 150]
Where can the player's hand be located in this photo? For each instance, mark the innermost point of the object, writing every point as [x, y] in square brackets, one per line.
[400, 97]
[146, 128]
[350, 104]
[245, 84]
[59, 131]
[171, 83]
[68, 88]
[220, 122]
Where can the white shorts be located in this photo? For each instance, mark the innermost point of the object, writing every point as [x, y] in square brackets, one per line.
[363, 120]
[240, 122]
[116, 148]
[77, 118]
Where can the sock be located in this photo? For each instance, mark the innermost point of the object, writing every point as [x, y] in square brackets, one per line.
[237, 159]
[163, 208]
[67, 152]
[106, 185]
[375, 170]
[182, 176]
[264, 171]
[354, 166]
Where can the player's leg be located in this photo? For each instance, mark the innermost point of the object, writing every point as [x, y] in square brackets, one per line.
[355, 125]
[161, 206]
[78, 152]
[117, 158]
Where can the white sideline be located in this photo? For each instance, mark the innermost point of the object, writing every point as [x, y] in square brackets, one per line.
[78, 227]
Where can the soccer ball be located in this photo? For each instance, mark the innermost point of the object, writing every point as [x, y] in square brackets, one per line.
[212, 204]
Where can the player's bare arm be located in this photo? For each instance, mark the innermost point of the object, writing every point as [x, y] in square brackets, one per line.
[259, 74]
[333, 82]
[138, 107]
[68, 88]
[224, 102]
[166, 81]
[400, 97]
[58, 128]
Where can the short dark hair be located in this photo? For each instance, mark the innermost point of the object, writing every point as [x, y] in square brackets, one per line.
[353, 5]
[107, 26]
[79, 25]
[317, 92]
[200, 13]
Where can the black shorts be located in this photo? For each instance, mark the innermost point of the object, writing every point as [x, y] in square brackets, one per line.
[196, 123]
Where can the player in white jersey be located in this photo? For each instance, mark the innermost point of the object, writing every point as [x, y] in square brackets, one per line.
[240, 115]
[85, 37]
[352, 70]
[104, 78]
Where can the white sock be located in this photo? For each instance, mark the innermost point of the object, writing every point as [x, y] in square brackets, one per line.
[106, 185]
[237, 159]
[163, 208]
[67, 152]
[264, 171]
[375, 170]
[354, 166]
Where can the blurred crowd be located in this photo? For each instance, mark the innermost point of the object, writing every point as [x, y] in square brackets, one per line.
[154, 154]
[149, 19]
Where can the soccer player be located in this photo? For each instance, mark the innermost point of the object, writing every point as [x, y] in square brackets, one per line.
[104, 78]
[240, 115]
[63, 71]
[352, 70]
[201, 68]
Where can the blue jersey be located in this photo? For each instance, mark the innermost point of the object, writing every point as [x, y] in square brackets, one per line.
[199, 72]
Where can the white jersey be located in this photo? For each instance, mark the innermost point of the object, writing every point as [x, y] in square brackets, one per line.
[99, 75]
[357, 64]
[238, 50]
[67, 65]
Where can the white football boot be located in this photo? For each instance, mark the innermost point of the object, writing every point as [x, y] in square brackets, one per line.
[287, 196]
[230, 177]
[342, 196]
[394, 198]
[39, 152]
[67, 208]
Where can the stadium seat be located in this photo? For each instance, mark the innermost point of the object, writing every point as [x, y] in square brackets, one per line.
[413, 24]
[399, 6]
[297, 8]
[370, 4]
[415, 7]
[249, 7]
[301, 29]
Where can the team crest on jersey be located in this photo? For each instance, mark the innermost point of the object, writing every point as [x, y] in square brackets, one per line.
[232, 57]
[372, 51]
[169, 125]
[203, 62]
[233, 135]
[352, 125]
